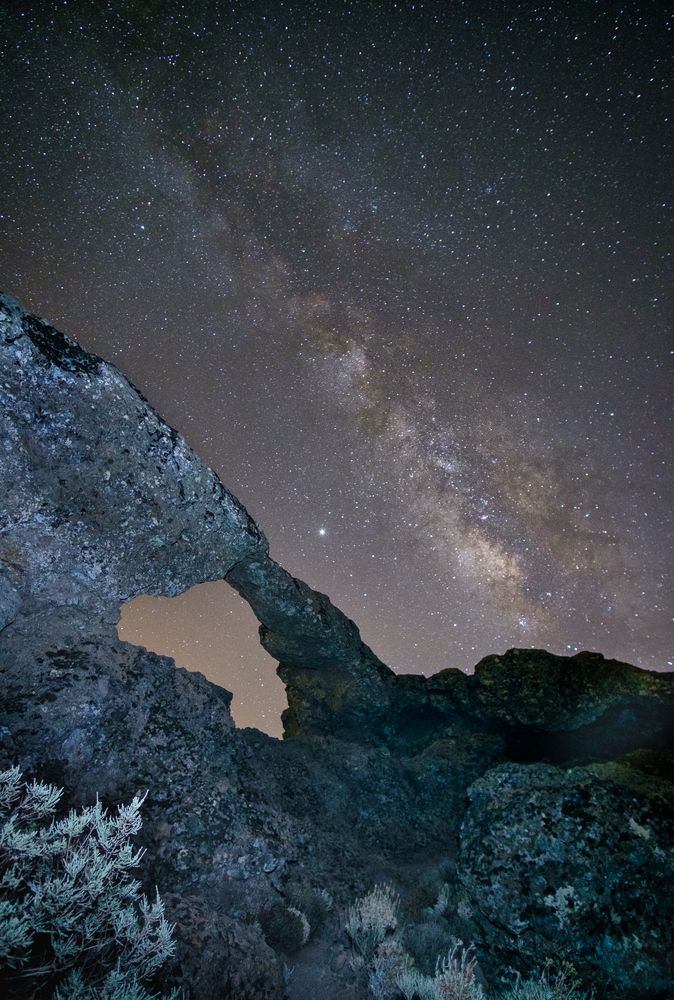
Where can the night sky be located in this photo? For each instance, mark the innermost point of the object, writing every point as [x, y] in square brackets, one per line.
[399, 272]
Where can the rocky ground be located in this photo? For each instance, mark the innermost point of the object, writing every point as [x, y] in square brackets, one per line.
[526, 808]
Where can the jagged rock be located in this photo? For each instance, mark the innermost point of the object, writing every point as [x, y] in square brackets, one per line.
[531, 687]
[102, 716]
[577, 860]
[221, 957]
[102, 501]
[557, 708]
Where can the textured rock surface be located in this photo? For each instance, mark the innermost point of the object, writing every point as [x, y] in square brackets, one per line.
[531, 687]
[100, 501]
[221, 957]
[334, 681]
[556, 708]
[578, 859]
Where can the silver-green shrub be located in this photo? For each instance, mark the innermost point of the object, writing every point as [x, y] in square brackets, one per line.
[371, 918]
[73, 921]
[414, 985]
[379, 953]
[388, 964]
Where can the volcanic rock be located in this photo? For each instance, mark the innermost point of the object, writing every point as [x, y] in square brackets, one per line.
[101, 501]
[578, 857]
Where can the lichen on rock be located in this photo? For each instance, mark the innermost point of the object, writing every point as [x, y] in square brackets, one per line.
[579, 857]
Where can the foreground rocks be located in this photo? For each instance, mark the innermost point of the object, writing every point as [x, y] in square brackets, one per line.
[578, 857]
[529, 801]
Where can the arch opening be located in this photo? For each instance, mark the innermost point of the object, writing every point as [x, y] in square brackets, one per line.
[210, 629]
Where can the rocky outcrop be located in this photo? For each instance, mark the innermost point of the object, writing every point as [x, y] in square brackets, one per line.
[101, 501]
[534, 688]
[578, 858]
[559, 708]
[333, 680]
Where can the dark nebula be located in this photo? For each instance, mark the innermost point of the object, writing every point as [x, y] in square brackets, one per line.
[399, 273]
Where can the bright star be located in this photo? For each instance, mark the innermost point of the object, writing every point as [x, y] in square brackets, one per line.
[321, 531]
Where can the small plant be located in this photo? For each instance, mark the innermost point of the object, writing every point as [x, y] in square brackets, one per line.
[426, 940]
[315, 904]
[455, 975]
[72, 919]
[413, 985]
[371, 918]
[386, 968]
[560, 985]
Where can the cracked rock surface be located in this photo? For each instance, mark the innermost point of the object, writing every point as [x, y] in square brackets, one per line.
[577, 857]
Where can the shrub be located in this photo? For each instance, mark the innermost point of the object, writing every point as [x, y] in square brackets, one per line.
[454, 979]
[455, 975]
[371, 918]
[380, 953]
[413, 985]
[315, 904]
[72, 919]
[388, 965]
[561, 985]
[426, 940]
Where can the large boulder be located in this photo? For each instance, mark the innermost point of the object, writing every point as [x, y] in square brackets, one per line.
[577, 863]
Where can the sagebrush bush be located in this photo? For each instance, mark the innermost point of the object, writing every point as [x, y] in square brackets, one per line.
[315, 904]
[454, 978]
[73, 922]
[426, 940]
[414, 985]
[548, 985]
[455, 975]
[389, 963]
[380, 953]
[372, 926]
[371, 918]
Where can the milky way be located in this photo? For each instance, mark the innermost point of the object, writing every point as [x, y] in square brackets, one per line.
[399, 273]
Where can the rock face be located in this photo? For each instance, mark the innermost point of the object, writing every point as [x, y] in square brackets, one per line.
[494, 780]
[100, 499]
[334, 681]
[580, 858]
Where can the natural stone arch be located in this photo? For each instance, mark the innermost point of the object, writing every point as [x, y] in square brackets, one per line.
[210, 629]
